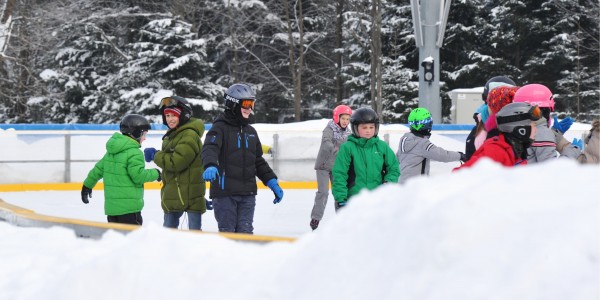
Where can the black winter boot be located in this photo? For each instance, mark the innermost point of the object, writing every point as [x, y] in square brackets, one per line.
[314, 224]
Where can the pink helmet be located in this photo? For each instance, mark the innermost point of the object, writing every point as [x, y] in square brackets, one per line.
[341, 110]
[535, 94]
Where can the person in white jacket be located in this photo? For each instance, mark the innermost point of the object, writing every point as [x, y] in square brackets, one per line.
[415, 151]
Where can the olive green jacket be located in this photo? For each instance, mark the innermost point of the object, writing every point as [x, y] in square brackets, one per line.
[183, 187]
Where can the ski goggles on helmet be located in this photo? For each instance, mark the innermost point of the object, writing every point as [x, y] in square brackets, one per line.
[417, 123]
[534, 114]
[168, 101]
[247, 103]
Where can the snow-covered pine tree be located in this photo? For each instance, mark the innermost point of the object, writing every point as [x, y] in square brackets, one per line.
[123, 60]
[573, 53]
[400, 55]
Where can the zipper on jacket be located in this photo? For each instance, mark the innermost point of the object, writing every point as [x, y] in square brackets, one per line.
[243, 153]
[222, 179]
[179, 191]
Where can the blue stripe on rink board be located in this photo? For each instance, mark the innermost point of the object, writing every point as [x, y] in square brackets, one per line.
[108, 127]
[156, 126]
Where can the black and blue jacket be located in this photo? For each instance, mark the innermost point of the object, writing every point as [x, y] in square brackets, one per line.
[233, 147]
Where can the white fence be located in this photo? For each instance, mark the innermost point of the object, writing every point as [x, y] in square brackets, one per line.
[50, 156]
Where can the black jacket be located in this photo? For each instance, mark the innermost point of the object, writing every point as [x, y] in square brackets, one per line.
[235, 149]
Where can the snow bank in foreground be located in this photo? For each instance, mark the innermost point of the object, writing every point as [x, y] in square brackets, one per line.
[486, 233]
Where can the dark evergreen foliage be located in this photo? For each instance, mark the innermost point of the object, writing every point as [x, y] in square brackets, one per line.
[94, 61]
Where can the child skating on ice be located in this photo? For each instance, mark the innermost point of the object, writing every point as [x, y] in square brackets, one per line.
[124, 173]
[335, 133]
[364, 161]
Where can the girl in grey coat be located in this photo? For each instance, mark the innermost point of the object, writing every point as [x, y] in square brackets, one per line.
[546, 144]
[335, 133]
[416, 151]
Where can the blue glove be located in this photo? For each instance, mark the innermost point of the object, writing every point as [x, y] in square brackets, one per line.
[149, 154]
[277, 191]
[208, 204]
[577, 143]
[563, 125]
[210, 174]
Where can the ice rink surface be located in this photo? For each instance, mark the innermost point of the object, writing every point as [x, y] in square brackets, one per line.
[290, 218]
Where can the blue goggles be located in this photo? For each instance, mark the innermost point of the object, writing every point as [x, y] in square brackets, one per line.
[420, 122]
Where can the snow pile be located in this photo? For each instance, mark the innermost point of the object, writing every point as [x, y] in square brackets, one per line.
[484, 233]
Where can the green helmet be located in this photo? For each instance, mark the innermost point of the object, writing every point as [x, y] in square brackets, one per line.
[419, 119]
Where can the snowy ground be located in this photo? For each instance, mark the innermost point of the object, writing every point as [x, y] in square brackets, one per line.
[486, 233]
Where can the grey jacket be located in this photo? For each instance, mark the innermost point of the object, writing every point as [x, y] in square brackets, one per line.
[330, 145]
[546, 142]
[414, 155]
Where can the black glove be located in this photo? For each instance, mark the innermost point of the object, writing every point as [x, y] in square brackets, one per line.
[85, 193]
[463, 157]
[159, 175]
[208, 204]
[339, 204]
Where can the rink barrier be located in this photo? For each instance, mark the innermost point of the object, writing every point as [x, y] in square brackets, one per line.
[23, 217]
[69, 132]
[76, 186]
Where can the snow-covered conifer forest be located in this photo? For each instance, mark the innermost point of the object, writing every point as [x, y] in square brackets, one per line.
[88, 61]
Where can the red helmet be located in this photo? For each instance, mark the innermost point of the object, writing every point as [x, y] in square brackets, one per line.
[341, 110]
[535, 94]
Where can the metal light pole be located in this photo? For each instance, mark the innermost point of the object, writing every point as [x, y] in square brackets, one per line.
[429, 19]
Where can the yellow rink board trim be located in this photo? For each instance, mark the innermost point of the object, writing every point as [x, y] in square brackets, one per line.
[76, 186]
[31, 215]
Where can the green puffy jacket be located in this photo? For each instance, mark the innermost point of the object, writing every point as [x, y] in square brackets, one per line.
[183, 187]
[363, 163]
[124, 173]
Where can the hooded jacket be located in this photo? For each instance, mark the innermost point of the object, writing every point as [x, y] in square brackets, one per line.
[183, 187]
[330, 145]
[363, 163]
[124, 173]
[233, 147]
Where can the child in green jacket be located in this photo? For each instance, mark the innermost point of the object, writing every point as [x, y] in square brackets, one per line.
[124, 173]
[364, 161]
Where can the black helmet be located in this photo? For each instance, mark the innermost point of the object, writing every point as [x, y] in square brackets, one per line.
[495, 82]
[236, 93]
[364, 115]
[176, 102]
[134, 125]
